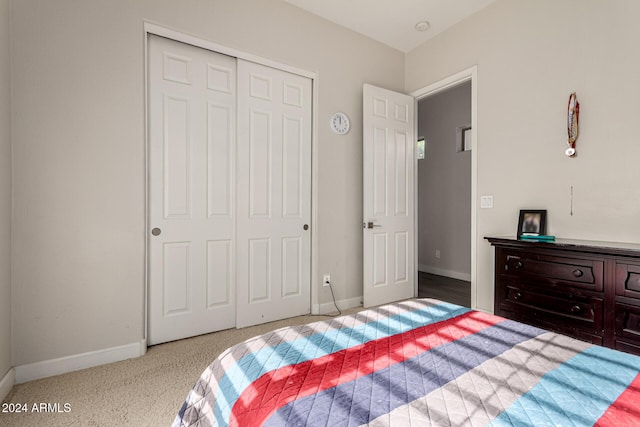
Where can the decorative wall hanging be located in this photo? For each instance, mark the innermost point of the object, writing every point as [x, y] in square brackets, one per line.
[572, 124]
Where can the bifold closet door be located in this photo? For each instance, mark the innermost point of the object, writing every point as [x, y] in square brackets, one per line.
[274, 194]
[192, 218]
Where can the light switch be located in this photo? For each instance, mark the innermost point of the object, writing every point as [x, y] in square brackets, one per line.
[486, 202]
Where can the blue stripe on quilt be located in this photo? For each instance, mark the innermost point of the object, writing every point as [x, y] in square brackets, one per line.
[252, 366]
[368, 397]
[594, 374]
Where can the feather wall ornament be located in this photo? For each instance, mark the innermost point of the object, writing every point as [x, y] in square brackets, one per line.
[573, 111]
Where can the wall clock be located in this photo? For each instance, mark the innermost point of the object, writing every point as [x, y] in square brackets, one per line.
[340, 123]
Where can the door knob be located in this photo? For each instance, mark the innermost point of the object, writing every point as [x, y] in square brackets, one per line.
[156, 231]
[305, 227]
[370, 224]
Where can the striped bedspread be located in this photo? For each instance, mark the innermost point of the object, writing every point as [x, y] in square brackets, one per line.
[416, 363]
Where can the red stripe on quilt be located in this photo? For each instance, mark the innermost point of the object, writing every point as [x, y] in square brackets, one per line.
[277, 388]
[625, 411]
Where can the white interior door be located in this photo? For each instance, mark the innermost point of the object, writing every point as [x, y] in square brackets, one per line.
[192, 106]
[388, 202]
[274, 194]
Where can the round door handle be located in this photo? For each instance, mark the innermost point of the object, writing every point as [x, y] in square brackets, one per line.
[156, 231]
[577, 273]
[305, 227]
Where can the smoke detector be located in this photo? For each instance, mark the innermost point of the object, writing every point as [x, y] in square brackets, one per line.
[423, 26]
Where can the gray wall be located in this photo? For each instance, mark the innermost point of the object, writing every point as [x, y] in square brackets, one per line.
[79, 154]
[530, 56]
[444, 185]
[5, 191]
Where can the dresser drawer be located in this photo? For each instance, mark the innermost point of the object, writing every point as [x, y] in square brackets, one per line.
[628, 347]
[627, 321]
[549, 324]
[628, 280]
[567, 309]
[576, 272]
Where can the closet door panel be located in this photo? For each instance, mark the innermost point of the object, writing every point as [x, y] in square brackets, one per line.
[191, 190]
[274, 194]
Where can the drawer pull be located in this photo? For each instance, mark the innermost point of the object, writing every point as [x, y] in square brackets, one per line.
[517, 296]
[577, 273]
[517, 265]
[575, 309]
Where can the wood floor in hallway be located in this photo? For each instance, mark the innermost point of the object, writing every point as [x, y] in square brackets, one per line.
[444, 288]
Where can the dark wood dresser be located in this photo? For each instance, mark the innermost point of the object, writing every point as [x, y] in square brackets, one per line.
[586, 289]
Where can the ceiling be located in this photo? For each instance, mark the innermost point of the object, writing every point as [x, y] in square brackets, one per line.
[393, 22]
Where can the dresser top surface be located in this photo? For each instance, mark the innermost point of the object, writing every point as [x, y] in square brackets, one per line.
[571, 244]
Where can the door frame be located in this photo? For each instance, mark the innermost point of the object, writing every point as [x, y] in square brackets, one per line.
[469, 74]
[158, 30]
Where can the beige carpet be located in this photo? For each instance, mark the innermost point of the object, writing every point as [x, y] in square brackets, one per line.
[146, 391]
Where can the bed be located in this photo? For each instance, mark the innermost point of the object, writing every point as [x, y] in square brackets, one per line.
[416, 363]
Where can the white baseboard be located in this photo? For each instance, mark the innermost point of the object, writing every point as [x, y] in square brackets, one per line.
[6, 383]
[48, 368]
[344, 304]
[446, 273]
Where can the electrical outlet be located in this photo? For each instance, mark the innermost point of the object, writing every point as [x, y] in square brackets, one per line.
[326, 280]
[438, 253]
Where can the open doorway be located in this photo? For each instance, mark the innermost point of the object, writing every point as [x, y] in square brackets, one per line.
[444, 195]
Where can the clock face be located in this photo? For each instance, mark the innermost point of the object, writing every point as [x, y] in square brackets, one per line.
[340, 123]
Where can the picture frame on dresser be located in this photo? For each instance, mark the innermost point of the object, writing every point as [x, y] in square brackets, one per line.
[532, 222]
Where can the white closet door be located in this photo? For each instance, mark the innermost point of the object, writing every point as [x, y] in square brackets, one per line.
[388, 190]
[192, 107]
[274, 194]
